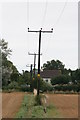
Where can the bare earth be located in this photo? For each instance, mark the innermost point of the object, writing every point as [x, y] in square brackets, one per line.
[66, 104]
[11, 103]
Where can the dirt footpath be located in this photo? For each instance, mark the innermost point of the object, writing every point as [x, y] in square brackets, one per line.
[67, 105]
[11, 103]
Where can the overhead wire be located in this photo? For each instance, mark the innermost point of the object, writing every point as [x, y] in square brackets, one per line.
[62, 11]
[28, 39]
[44, 15]
[28, 25]
[27, 13]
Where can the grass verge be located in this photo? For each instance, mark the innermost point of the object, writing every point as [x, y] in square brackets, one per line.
[30, 110]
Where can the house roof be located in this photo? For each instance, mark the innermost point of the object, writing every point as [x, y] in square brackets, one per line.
[50, 73]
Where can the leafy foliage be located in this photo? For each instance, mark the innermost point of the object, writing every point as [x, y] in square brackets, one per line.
[67, 82]
[13, 85]
[51, 65]
[62, 79]
[4, 48]
[76, 76]
[7, 66]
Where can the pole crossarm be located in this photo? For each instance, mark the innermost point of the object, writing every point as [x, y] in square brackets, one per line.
[41, 30]
[33, 53]
[47, 31]
[34, 60]
[29, 65]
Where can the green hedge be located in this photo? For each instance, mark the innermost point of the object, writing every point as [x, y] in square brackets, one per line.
[75, 88]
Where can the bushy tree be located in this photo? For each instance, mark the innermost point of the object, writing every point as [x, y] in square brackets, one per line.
[51, 65]
[76, 76]
[7, 66]
[60, 80]
[13, 85]
[24, 78]
[14, 77]
[6, 69]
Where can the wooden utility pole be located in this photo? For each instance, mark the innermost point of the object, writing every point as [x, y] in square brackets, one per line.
[30, 76]
[34, 61]
[40, 31]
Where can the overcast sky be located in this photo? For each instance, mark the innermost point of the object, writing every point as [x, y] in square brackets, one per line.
[62, 44]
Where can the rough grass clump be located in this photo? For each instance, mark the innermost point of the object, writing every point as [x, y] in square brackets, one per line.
[37, 100]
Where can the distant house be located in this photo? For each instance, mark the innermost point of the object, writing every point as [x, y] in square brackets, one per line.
[48, 74]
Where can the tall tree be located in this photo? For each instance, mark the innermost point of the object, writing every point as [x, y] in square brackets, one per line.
[7, 66]
[51, 65]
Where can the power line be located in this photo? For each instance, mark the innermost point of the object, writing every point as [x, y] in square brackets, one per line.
[57, 21]
[62, 11]
[45, 11]
[27, 13]
[44, 15]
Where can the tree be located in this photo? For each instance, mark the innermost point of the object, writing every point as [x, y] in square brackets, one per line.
[4, 48]
[5, 51]
[51, 65]
[14, 77]
[24, 78]
[76, 76]
[60, 80]
[7, 66]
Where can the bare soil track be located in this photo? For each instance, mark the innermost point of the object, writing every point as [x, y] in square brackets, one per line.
[11, 103]
[67, 104]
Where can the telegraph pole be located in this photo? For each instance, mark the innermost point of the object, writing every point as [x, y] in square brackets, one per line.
[30, 76]
[40, 31]
[34, 61]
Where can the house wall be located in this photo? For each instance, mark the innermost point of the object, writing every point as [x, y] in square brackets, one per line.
[47, 80]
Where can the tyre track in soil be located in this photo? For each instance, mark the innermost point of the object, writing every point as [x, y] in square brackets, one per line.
[67, 105]
[11, 103]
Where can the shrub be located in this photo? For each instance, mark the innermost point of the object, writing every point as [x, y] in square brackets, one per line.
[13, 85]
[24, 88]
[59, 88]
[75, 88]
[62, 79]
[44, 86]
